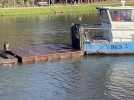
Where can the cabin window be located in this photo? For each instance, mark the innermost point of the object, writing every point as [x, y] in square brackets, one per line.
[122, 15]
[104, 16]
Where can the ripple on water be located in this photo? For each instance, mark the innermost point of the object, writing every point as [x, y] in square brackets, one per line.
[121, 81]
[91, 78]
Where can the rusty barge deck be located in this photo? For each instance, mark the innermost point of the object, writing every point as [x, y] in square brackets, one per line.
[39, 53]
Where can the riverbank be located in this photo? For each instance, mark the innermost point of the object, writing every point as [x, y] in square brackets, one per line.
[49, 10]
[65, 9]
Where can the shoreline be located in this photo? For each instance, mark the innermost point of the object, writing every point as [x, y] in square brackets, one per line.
[49, 10]
[65, 9]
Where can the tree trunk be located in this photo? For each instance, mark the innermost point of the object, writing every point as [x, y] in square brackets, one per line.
[33, 2]
[14, 3]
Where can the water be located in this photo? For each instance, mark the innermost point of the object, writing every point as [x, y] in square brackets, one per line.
[88, 78]
[25, 31]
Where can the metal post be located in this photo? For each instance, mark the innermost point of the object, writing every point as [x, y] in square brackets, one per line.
[66, 1]
[6, 47]
[48, 2]
[87, 1]
[81, 38]
[14, 3]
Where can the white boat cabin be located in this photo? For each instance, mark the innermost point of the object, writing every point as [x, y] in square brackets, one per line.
[119, 21]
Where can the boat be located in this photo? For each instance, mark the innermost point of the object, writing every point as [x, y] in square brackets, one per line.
[114, 35]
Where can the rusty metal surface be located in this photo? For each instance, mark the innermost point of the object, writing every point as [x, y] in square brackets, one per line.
[46, 52]
[38, 53]
[40, 49]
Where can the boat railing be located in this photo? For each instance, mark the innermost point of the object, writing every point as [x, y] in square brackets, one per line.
[100, 35]
[122, 39]
[92, 35]
[114, 29]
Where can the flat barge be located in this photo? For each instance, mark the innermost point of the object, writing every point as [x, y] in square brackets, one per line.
[39, 53]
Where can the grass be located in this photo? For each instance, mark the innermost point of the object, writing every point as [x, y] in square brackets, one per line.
[49, 10]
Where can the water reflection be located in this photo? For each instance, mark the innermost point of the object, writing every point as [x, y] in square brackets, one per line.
[25, 31]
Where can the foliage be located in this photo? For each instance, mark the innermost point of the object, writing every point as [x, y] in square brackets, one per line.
[11, 3]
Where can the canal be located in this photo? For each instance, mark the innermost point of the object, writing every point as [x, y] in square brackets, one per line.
[88, 78]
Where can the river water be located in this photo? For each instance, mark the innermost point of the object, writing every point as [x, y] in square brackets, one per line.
[88, 78]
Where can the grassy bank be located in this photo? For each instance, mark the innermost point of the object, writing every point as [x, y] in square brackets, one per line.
[48, 10]
[55, 9]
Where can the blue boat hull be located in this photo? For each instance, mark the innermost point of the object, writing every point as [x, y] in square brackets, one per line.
[109, 48]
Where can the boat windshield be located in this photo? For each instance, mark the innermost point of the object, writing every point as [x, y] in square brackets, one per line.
[122, 15]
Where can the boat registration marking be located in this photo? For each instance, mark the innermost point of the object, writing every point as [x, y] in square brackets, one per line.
[118, 46]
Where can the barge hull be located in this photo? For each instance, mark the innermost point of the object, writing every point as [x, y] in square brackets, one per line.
[119, 48]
